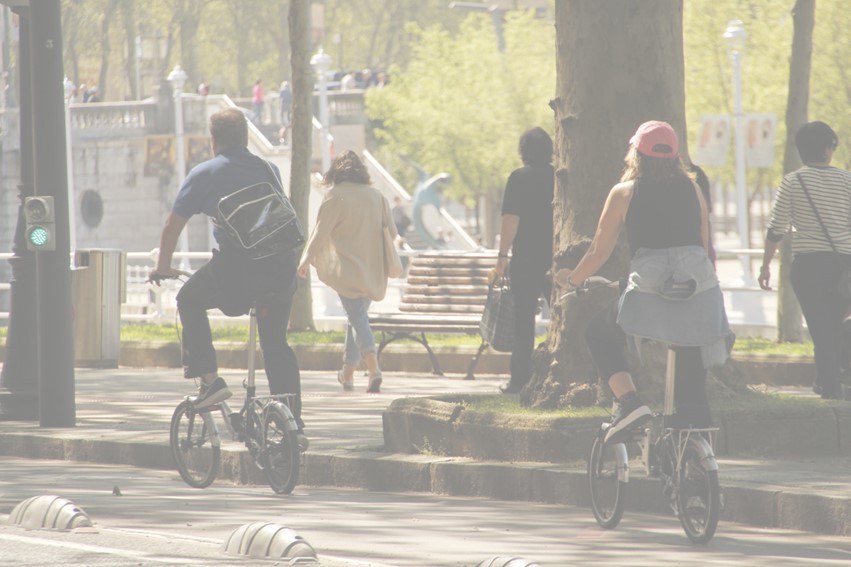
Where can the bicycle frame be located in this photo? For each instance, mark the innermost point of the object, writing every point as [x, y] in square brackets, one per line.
[250, 396]
[646, 440]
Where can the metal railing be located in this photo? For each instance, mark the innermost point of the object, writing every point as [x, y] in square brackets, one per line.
[155, 304]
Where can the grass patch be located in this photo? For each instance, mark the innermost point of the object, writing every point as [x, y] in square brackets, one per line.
[239, 333]
[502, 404]
[768, 346]
[753, 402]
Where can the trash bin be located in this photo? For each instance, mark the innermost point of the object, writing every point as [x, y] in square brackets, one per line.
[99, 290]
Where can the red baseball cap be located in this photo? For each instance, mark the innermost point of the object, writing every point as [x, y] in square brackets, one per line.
[655, 139]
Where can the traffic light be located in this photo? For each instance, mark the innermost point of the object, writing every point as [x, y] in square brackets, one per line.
[41, 228]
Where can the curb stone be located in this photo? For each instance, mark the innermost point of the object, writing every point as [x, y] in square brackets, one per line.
[765, 506]
[445, 425]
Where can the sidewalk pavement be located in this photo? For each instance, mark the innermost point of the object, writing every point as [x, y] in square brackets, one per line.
[123, 417]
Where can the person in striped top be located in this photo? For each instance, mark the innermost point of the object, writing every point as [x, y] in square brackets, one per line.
[814, 202]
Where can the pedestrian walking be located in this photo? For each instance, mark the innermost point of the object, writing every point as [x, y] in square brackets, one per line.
[347, 249]
[814, 203]
[527, 232]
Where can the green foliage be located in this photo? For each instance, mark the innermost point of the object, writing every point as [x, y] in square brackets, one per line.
[766, 346]
[765, 68]
[461, 105]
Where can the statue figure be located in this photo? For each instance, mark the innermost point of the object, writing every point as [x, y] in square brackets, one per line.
[427, 192]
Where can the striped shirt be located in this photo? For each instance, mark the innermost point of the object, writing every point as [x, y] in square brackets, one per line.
[830, 189]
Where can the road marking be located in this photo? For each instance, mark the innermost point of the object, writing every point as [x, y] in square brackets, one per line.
[94, 549]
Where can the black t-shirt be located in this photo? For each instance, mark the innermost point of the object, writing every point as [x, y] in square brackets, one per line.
[663, 213]
[529, 195]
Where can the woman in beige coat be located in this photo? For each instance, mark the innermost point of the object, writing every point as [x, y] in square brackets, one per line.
[346, 248]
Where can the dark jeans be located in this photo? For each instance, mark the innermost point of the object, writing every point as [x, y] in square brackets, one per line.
[815, 279]
[232, 283]
[607, 343]
[527, 285]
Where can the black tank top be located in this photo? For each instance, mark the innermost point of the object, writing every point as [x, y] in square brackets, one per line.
[663, 213]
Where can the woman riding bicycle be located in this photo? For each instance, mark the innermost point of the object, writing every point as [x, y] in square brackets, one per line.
[672, 293]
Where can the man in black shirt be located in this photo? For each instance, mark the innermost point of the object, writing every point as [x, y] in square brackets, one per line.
[527, 231]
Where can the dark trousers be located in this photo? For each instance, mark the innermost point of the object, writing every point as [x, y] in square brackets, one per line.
[232, 283]
[527, 286]
[607, 343]
[815, 279]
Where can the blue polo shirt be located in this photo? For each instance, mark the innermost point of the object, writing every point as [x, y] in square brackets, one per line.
[231, 170]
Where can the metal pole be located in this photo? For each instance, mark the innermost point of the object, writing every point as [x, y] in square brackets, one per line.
[181, 167]
[742, 211]
[69, 159]
[137, 64]
[323, 118]
[53, 274]
[19, 377]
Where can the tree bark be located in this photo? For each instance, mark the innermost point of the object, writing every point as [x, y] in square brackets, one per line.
[302, 123]
[789, 326]
[128, 9]
[190, 20]
[619, 63]
[105, 47]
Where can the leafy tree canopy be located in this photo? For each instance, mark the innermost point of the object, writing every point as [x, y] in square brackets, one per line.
[461, 105]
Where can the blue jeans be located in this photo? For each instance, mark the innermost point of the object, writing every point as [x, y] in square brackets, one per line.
[359, 338]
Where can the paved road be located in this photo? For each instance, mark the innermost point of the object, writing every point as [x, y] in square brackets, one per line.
[158, 520]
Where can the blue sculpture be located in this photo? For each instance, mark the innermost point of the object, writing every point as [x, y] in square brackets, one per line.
[427, 193]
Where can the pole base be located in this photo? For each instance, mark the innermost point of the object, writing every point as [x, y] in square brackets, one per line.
[18, 406]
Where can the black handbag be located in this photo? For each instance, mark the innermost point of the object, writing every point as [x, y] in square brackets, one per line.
[497, 325]
[260, 219]
[845, 274]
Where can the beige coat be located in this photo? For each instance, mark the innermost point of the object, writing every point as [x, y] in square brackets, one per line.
[346, 245]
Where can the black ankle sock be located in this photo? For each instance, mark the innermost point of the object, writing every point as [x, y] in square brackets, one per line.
[629, 397]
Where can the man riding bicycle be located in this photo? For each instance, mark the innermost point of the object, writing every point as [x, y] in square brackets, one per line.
[232, 280]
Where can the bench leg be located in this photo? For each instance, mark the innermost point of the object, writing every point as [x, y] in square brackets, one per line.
[385, 340]
[471, 368]
[383, 343]
[435, 365]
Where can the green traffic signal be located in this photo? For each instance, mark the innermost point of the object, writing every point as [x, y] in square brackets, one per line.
[39, 236]
[39, 214]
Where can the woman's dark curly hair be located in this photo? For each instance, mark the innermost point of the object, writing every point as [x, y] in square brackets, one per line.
[347, 167]
[536, 147]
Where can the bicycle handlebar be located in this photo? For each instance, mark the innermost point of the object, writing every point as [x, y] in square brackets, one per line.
[590, 284]
[156, 278]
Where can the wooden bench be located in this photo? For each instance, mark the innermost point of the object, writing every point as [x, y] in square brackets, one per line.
[445, 293]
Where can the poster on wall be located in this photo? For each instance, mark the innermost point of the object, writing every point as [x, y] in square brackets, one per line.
[197, 150]
[760, 129]
[713, 141]
[159, 155]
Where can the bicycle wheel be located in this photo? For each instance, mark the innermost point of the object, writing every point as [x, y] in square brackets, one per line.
[607, 490]
[191, 437]
[279, 448]
[699, 494]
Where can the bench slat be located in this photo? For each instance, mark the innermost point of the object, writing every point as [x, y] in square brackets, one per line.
[427, 280]
[441, 308]
[444, 299]
[445, 290]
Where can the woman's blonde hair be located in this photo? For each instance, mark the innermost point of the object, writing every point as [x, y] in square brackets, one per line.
[639, 165]
[347, 167]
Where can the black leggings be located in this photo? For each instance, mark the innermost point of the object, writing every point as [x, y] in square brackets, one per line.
[607, 343]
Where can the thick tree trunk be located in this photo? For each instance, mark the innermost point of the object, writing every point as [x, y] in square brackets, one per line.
[789, 326]
[302, 122]
[619, 63]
